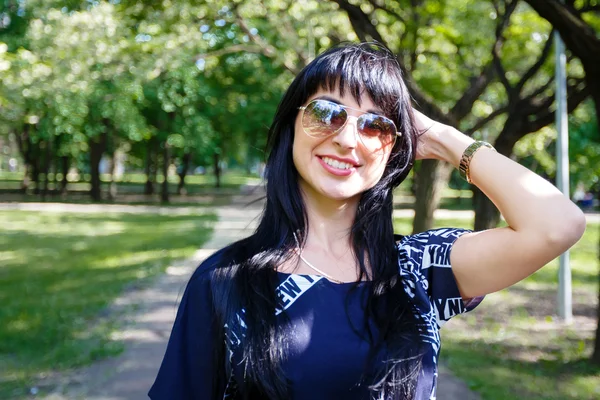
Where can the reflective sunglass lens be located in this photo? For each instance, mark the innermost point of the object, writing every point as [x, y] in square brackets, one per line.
[322, 118]
[373, 126]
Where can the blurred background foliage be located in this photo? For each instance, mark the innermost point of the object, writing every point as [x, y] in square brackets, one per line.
[173, 86]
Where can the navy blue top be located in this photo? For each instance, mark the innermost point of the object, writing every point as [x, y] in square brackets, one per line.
[326, 356]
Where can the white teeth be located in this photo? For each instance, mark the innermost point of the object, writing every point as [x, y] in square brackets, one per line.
[336, 164]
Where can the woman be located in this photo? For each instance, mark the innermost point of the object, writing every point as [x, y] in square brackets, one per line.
[323, 301]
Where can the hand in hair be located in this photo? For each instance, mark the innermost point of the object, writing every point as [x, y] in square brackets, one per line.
[431, 135]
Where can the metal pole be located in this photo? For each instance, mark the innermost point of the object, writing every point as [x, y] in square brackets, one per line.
[565, 306]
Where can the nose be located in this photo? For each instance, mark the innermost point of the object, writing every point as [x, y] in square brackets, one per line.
[347, 137]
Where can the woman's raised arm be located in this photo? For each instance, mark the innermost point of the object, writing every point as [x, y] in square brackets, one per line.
[542, 222]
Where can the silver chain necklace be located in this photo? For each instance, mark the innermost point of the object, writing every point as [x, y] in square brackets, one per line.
[299, 253]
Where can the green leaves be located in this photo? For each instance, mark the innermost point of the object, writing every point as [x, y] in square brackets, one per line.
[208, 74]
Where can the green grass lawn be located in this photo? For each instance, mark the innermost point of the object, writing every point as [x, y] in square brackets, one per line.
[513, 347]
[59, 271]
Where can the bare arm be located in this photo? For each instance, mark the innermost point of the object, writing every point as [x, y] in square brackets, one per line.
[542, 222]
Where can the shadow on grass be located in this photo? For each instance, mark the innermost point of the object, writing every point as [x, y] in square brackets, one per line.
[545, 304]
[513, 346]
[493, 371]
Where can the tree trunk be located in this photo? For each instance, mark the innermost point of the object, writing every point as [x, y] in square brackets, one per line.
[97, 148]
[164, 192]
[432, 177]
[26, 181]
[46, 169]
[413, 183]
[185, 165]
[24, 146]
[65, 164]
[487, 215]
[35, 169]
[217, 169]
[593, 83]
[33, 153]
[150, 168]
[112, 188]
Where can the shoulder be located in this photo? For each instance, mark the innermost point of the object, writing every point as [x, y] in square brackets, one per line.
[202, 278]
[209, 265]
[432, 236]
[424, 264]
[425, 248]
[215, 277]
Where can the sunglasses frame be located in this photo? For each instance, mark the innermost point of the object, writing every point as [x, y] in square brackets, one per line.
[303, 108]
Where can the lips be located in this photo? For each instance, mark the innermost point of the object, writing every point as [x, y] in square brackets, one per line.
[338, 166]
[343, 160]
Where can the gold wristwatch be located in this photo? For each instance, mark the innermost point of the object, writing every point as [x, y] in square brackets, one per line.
[467, 155]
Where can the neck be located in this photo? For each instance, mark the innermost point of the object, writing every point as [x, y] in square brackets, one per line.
[329, 220]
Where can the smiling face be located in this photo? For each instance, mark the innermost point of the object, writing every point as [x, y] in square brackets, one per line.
[339, 167]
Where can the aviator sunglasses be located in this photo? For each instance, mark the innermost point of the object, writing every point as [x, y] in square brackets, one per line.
[323, 118]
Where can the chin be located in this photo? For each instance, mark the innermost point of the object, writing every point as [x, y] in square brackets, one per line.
[340, 195]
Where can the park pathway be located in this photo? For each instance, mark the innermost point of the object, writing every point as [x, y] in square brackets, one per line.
[145, 332]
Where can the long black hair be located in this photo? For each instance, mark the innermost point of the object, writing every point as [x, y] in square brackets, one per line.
[246, 277]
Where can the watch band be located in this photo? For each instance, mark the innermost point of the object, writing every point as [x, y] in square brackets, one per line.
[467, 155]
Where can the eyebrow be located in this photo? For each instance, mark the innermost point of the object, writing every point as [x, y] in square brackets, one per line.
[336, 101]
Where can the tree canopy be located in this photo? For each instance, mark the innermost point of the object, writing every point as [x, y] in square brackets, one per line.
[197, 82]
